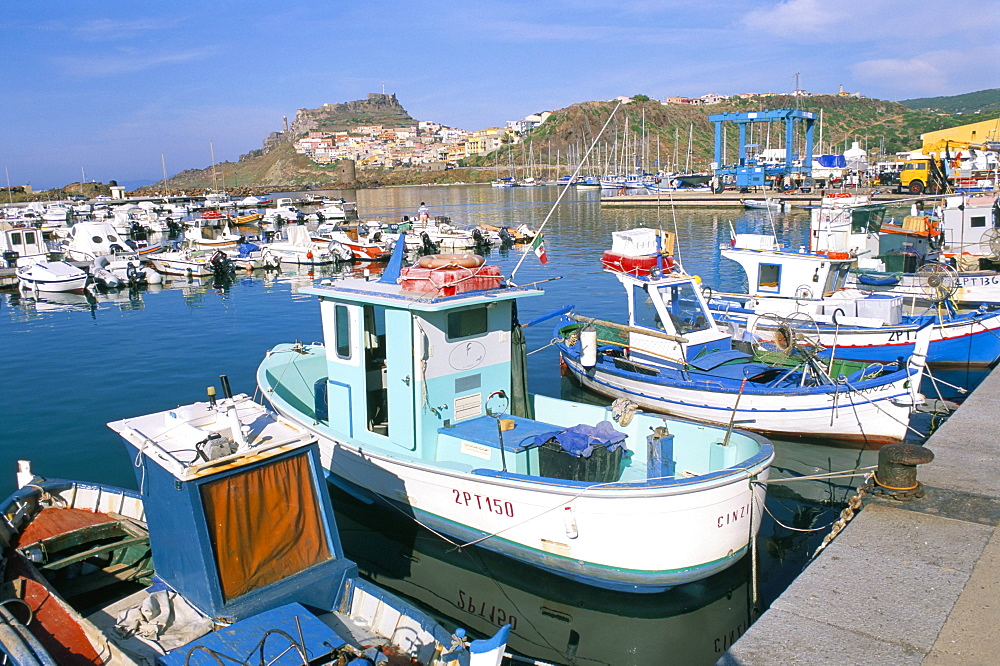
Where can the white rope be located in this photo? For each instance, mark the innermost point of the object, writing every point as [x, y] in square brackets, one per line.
[565, 189]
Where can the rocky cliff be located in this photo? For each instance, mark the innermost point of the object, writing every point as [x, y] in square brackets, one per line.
[378, 109]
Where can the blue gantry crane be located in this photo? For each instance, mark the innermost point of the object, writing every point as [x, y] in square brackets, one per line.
[794, 171]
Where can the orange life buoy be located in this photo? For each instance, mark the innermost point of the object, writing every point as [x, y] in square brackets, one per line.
[451, 261]
[837, 255]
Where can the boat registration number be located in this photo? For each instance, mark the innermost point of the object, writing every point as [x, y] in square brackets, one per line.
[484, 503]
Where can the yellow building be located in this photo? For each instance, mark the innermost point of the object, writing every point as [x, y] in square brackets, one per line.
[977, 134]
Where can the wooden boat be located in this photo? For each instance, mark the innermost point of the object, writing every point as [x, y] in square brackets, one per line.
[807, 290]
[205, 564]
[672, 357]
[418, 398]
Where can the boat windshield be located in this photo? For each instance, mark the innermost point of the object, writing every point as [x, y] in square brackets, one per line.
[678, 301]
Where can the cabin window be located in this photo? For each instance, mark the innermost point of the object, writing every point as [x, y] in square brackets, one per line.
[342, 330]
[467, 323]
[96, 239]
[978, 221]
[15, 239]
[768, 277]
[643, 311]
[29, 237]
[685, 309]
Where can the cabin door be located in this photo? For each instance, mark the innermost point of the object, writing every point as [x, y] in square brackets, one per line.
[388, 360]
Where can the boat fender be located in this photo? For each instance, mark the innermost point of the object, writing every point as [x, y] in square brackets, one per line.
[588, 348]
[451, 261]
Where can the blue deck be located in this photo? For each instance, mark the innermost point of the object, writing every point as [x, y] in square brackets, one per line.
[241, 639]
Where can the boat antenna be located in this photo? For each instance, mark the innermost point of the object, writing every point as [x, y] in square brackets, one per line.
[566, 187]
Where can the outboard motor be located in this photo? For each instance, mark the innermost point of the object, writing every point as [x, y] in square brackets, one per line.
[429, 247]
[505, 236]
[136, 277]
[10, 258]
[222, 265]
[480, 239]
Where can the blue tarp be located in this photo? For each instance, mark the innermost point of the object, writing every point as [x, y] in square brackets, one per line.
[832, 161]
[580, 440]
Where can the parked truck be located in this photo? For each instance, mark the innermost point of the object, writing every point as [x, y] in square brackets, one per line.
[947, 166]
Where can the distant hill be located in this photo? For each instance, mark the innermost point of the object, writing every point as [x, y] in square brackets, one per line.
[879, 126]
[984, 101]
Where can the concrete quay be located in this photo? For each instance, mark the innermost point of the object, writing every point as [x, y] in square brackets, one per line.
[734, 199]
[914, 582]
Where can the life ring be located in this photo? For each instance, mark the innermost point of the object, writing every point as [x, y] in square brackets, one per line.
[451, 261]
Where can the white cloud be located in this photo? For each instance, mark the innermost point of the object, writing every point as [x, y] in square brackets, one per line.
[129, 61]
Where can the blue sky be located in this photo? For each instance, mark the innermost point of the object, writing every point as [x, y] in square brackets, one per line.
[106, 88]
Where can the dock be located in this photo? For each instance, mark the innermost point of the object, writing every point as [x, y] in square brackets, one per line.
[915, 582]
[734, 199]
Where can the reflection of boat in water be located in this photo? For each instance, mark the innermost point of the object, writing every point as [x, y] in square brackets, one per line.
[53, 301]
[551, 619]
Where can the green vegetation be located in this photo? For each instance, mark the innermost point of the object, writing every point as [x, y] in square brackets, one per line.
[981, 102]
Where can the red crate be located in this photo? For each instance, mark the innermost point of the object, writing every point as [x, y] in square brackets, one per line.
[449, 281]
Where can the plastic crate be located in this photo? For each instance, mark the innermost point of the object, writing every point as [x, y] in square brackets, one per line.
[449, 281]
[602, 466]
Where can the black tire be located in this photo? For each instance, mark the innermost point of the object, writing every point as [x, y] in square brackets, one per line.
[916, 187]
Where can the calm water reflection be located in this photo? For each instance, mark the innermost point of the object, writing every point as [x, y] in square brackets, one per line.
[75, 363]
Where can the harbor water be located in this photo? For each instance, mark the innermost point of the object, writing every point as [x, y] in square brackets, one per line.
[77, 362]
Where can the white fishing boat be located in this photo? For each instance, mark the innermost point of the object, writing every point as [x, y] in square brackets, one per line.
[205, 564]
[671, 356]
[807, 290]
[418, 399]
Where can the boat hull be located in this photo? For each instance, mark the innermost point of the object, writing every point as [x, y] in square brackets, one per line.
[870, 414]
[970, 341]
[974, 288]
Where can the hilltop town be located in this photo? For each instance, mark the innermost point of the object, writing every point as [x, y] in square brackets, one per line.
[417, 143]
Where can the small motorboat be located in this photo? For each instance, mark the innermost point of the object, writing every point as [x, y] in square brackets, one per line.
[298, 247]
[36, 274]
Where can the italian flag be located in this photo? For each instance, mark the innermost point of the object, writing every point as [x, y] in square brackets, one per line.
[538, 245]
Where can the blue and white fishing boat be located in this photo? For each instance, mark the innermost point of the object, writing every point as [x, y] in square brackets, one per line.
[671, 356]
[419, 400]
[806, 290]
[228, 553]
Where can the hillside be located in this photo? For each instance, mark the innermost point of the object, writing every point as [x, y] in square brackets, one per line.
[981, 102]
[879, 126]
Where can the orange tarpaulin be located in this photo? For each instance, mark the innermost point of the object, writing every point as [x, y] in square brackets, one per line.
[264, 525]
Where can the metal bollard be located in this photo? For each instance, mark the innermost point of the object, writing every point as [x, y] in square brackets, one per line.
[897, 470]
